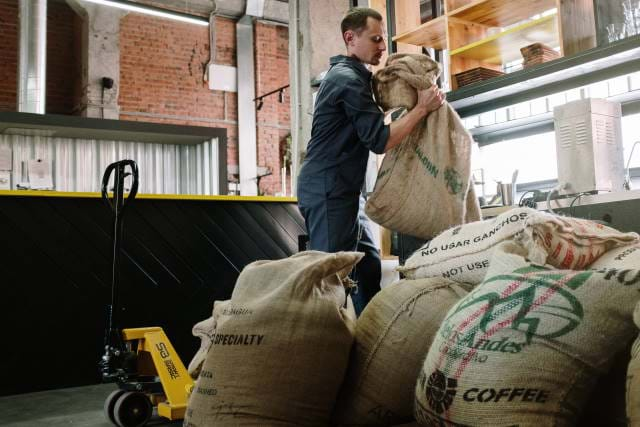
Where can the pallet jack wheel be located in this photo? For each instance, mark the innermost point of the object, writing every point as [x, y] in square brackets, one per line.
[132, 409]
[110, 403]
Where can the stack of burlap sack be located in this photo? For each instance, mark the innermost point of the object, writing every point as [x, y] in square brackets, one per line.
[508, 321]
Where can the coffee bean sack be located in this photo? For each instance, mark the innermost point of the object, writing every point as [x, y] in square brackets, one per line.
[423, 185]
[393, 335]
[527, 345]
[626, 261]
[205, 330]
[463, 253]
[281, 349]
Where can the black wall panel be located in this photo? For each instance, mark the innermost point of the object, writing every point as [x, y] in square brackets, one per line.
[178, 257]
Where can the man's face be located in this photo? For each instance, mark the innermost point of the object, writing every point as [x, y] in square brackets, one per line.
[369, 45]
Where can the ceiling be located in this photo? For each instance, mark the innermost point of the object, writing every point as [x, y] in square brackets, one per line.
[201, 7]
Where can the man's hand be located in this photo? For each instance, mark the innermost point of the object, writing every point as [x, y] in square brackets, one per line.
[429, 100]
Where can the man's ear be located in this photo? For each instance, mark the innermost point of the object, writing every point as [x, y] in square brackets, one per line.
[348, 36]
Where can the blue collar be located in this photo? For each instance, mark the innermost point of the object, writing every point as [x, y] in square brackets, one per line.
[354, 63]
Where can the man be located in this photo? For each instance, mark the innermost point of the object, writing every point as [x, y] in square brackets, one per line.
[347, 124]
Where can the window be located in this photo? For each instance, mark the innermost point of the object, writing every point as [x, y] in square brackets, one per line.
[535, 155]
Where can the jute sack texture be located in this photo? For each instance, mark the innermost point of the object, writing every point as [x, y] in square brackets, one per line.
[463, 253]
[205, 330]
[279, 357]
[633, 377]
[527, 345]
[570, 243]
[626, 260]
[423, 184]
[393, 335]
[633, 380]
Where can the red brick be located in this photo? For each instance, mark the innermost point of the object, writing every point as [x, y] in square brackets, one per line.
[63, 67]
[161, 72]
[63, 60]
[8, 55]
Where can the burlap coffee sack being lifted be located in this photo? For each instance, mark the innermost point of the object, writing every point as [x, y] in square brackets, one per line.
[281, 346]
[423, 185]
[527, 345]
[393, 335]
[463, 253]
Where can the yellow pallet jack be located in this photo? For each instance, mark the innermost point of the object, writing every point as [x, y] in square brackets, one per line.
[142, 361]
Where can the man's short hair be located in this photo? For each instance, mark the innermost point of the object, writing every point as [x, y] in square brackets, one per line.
[356, 19]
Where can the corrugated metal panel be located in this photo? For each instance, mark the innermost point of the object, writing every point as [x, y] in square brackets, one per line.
[78, 164]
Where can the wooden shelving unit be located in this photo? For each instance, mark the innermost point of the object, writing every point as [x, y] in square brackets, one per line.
[474, 35]
[505, 46]
[430, 34]
[497, 13]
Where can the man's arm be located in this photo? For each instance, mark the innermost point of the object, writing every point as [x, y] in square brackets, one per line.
[428, 100]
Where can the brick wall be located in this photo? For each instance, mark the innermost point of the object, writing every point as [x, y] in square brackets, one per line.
[162, 65]
[273, 122]
[8, 55]
[62, 64]
[161, 76]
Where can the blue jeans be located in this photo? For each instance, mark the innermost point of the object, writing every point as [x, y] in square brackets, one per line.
[339, 224]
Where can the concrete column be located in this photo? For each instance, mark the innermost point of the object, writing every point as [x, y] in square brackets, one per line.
[314, 37]
[100, 58]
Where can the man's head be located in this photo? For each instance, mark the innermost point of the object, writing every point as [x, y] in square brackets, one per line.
[363, 34]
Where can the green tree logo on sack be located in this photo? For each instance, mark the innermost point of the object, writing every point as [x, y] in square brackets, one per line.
[454, 180]
[532, 300]
[440, 390]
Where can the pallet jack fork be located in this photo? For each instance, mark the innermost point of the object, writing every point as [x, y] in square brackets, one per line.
[141, 361]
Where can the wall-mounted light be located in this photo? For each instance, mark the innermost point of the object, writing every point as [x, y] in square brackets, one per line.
[279, 91]
[151, 10]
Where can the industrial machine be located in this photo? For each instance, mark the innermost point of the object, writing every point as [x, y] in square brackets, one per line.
[141, 361]
[589, 146]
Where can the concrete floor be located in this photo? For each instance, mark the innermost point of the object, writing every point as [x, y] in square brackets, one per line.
[78, 407]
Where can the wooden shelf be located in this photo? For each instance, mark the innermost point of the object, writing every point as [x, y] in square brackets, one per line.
[494, 13]
[505, 46]
[465, 31]
[593, 65]
[430, 34]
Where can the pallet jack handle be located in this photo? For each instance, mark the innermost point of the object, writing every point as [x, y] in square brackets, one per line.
[117, 205]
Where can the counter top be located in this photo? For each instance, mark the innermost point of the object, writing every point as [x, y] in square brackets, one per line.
[592, 199]
[33, 193]
[61, 126]
[566, 202]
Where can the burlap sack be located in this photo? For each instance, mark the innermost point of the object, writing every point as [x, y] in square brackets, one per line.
[633, 379]
[626, 260]
[570, 243]
[205, 330]
[463, 253]
[526, 346]
[393, 335]
[423, 184]
[279, 357]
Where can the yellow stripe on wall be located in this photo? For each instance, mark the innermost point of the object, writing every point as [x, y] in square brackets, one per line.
[32, 193]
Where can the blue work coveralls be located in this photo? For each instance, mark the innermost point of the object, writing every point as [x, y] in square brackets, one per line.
[347, 124]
